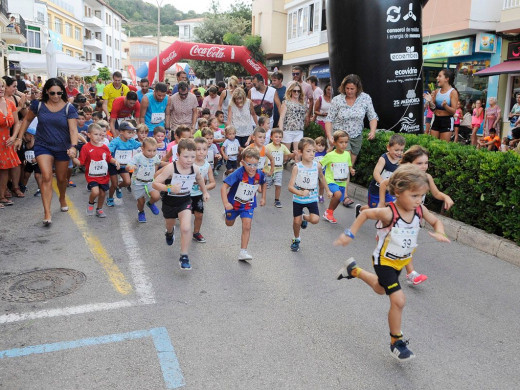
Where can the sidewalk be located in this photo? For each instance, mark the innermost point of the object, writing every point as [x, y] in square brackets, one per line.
[465, 234]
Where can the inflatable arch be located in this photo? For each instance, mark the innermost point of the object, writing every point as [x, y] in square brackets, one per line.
[178, 51]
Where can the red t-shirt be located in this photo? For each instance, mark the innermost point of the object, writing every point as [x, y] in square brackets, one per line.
[120, 110]
[95, 155]
[72, 93]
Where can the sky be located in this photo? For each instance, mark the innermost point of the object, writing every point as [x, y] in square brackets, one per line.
[198, 6]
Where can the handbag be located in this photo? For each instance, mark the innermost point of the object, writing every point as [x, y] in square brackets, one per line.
[259, 109]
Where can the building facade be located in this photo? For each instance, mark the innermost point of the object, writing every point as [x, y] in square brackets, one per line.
[13, 31]
[187, 28]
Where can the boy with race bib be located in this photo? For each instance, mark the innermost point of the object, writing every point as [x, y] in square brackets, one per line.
[280, 154]
[304, 187]
[122, 148]
[238, 193]
[143, 166]
[258, 138]
[95, 157]
[175, 182]
[397, 226]
[337, 166]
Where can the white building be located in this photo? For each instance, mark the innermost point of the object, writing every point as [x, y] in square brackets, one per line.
[187, 28]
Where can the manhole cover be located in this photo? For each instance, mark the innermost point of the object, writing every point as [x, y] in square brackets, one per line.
[41, 285]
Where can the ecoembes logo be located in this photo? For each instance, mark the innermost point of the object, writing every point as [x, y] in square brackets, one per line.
[170, 58]
[410, 54]
[207, 52]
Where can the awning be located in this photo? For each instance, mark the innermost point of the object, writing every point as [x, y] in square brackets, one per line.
[321, 71]
[503, 68]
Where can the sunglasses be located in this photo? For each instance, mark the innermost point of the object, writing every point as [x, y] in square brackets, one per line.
[297, 90]
[56, 93]
[250, 165]
[296, 74]
[183, 94]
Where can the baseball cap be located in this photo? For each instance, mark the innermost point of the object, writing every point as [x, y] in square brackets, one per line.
[31, 130]
[126, 126]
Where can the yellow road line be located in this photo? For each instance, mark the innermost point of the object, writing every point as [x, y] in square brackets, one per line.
[97, 249]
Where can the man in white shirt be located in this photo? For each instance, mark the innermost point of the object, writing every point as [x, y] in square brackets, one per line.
[317, 92]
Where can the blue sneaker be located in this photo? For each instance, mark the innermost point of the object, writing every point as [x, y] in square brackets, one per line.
[119, 194]
[110, 202]
[185, 263]
[304, 223]
[153, 207]
[170, 237]
[400, 350]
[295, 246]
[141, 217]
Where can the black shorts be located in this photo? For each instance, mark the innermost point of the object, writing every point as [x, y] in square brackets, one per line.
[172, 206]
[197, 204]
[242, 140]
[388, 278]
[112, 170]
[442, 124]
[102, 187]
[30, 168]
[231, 164]
[297, 208]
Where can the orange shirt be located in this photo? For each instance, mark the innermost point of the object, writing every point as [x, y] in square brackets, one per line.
[495, 139]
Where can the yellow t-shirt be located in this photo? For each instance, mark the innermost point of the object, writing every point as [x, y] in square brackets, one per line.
[110, 93]
[278, 155]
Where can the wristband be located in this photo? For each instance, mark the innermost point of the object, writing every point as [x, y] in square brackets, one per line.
[348, 233]
[74, 146]
[169, 189]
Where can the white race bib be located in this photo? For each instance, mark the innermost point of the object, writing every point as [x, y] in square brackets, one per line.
[119, 120]
[145, 173]
[278, 158]
[386, 174]
[157, 117]
[340, 171]
[162, 153]
[29, 155]
[261, 162]
[124, 156]
[186, 182]
[98, 168]
[307, 180]
[246, 192]
[318, 158]
[402, 242]
[210, 157]
[232, 149]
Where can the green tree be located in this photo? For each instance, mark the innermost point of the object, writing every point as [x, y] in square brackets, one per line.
[104, 73]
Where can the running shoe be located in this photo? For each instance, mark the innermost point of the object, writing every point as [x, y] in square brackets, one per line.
[153, 207]
[415, 278]
[141, 217]
[243, 255]
[198, 237]
[119, 194]
[71, 184]
[100, 213]
[346, 270]
[170, 237]
[304, 223]
[129, 189]
[185, 263]
[277, 204]
[38, 192]
[295, 246]
[329, 216]
[110, 202]
[358, 210]
[400, 351]
[90, 209]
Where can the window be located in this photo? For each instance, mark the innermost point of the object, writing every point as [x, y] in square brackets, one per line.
[109, 61]
[57, 25]
[68, 29]
[186, 31]
[97, 14]
[68, 52]
[117, 63]
[99, 58]
[294, 25]
[33, 39]
[116, 44]
[40, 17]
[109, 40]
[77, 33]
[108, 19]
[304, 21]
[323, 15]
[98, 36]
[289, 26]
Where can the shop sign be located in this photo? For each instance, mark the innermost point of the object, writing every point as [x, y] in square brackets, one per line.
[485, 43]
[273, 62]
[455, 48]
[513, 51]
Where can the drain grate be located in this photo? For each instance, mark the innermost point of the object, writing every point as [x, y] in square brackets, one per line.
[41, 285]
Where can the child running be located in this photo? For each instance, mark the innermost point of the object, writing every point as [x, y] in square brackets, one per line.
[238, 195]
[197, 203]
[230, 150]
[304, 187]
[418, 156]
[396, 243]
[95, 157]
[213, 153]
[143, 166]
[175, 181]
[160, 134]
[258, 138]
[280, 155]
[321, 151]
[386, 165]
[337, 166]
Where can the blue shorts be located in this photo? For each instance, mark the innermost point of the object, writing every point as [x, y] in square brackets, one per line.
[58, 156]
[333, 187]
[103, 187]
[373, 200]
[231, 215]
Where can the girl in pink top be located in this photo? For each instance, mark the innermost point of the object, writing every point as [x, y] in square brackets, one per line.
[476, 121]
[456, 121]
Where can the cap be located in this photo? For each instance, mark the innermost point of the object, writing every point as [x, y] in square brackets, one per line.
[126, 126]
[31, 130]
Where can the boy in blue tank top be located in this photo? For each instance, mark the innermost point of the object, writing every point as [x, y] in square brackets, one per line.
[304, 187]
[386, 165]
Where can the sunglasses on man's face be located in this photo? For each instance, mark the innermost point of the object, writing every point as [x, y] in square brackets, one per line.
[296, 74]
[52, 93]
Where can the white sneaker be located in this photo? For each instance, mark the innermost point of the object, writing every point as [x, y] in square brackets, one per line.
[243, 255]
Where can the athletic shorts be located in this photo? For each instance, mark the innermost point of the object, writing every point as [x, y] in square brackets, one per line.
[58, 156]
[141, 189]
[241, 140]
[291, 136]
[197, 204]
[354, 144]
[102, 187]
[30, 168]
[388, 278]
[333, 187]
[112, 170]
[172, 208]
[428, 120]
[297, 208]
[231, 164]
[373, 200]
[276, 179]
[231, 215]
[442, 124]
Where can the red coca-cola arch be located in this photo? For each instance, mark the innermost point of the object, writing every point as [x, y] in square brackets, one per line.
[178, 51]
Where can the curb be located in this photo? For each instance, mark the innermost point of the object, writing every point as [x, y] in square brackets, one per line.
[465, 234]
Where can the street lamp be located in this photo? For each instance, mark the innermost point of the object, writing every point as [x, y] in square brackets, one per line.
[159, 3]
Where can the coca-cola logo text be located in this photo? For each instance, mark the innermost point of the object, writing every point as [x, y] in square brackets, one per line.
[253, 64]
[208, 52]
[170, 58]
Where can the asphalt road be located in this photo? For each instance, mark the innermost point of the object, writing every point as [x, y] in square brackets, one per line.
[281, 321]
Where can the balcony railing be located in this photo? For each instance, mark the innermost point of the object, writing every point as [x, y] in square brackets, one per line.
[15, 32]
[508, 4]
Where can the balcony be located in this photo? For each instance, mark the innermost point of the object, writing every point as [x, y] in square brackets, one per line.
[508, 4]
[93, 21]
[93, 43]
[509, 17]
[124, 37]
[15, 33]
[4, 13]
